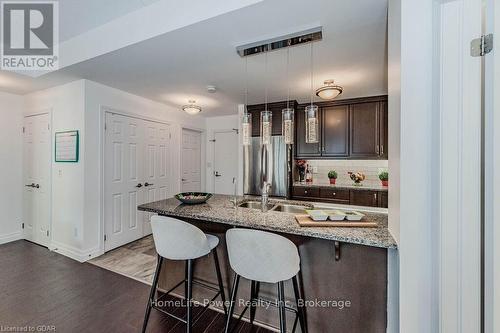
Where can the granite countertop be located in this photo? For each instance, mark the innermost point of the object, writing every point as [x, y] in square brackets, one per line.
[345, 186]
[220, 209]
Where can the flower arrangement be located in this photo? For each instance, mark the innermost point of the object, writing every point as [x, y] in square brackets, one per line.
[384, 177]
[357, 177]
[332, 175]
[301, 166]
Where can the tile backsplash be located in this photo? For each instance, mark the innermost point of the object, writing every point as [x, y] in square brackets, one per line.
[370, 168]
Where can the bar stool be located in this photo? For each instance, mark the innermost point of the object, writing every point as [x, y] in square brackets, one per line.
[265, 257]
[178, 240]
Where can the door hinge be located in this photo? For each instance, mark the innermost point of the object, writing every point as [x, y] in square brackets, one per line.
[48, 127]
[481, 46]
[24, 129]
[105, 126]
[105, 238]
[22, 225]
[170, 135]
[47, 233]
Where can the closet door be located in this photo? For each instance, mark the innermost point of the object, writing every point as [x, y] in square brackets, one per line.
[156, 166]
[124, 151]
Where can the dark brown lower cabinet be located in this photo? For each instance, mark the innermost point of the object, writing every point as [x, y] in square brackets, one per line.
[364, 198]
[361, 197]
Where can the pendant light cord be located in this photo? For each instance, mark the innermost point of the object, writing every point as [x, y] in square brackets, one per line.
[246, 85]
[312, 72]
[266, 80]
[288, 76]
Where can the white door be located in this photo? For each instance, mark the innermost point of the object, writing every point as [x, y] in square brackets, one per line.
[225, 162]
[191, 161]
[123, 185]
[37, 193]
[156, 166]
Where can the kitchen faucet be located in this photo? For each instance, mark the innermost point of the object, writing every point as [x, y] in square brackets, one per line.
[266, 187]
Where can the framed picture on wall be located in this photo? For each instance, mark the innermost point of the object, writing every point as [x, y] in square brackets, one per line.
[67, 145]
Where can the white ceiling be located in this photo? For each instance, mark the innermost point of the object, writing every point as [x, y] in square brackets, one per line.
[77, 16]
[177, 66]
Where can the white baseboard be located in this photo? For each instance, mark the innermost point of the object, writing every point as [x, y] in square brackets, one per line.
[73, 252]
[7, 238]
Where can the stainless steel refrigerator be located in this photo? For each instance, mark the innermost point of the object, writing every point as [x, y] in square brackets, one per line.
[271, 163]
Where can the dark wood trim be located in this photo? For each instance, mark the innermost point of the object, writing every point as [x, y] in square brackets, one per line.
[336, 102]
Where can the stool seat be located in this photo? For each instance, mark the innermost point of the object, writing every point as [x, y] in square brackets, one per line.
[213, 241]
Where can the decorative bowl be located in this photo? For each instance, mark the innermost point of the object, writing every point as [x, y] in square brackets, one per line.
[193, 198]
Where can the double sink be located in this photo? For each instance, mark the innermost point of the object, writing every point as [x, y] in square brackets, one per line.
[276, 207]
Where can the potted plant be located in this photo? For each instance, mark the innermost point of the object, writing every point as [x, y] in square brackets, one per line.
[384, 177]
[332, 175]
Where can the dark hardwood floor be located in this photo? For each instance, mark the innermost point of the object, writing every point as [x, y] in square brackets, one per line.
[38, 287]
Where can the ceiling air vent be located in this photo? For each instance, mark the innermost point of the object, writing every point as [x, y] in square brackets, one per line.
[297, 38]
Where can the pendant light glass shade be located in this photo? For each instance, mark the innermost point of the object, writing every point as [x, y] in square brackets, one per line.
[288, 119]
[246, 129]
[312, 123]
[266, 126]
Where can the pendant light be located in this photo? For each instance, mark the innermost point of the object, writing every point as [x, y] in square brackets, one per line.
[246, 121]
[312, 113]
[266, 120]
[288, 114]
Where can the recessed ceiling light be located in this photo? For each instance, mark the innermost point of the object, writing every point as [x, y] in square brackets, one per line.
[329, 91]
[191, 108]
[211, 89]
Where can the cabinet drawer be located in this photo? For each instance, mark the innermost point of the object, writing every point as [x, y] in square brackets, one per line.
[311, 192]
[334, 194]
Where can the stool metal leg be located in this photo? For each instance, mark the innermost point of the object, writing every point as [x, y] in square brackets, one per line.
[219, 279]
[300, 309]
[281, 303]
[253, 298]
[152, 293]
[234, 292]
[189, 318]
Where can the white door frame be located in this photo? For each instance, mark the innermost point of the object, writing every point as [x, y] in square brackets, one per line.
[229, 130]
[32, 114]
[102, 147]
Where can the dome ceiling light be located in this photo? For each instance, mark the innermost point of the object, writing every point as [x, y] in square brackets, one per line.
[329, 91]
[191, 108]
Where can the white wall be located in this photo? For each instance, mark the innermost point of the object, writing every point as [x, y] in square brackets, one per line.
[66, 103]
[417, 258]
[214, 124]
[11, 155]
[97, 97]
[394, 129]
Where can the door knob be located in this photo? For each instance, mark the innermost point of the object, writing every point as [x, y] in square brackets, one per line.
[183, 179]
[148, 184]
[217, 174]
[138, 185]
[37, 185]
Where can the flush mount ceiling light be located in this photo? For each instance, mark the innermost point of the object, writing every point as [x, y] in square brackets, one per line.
[191, 108]
[329, 91]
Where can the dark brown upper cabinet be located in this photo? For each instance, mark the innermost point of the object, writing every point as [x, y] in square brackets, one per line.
[275, 108]
[335, 131]
[349, 129]
[365, 129]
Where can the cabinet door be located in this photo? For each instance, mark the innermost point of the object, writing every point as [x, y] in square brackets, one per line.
[255, 122]
[383, 199]
[364, 130]
[383, 125]
[335, 131]
[303, 149]
[364, 198]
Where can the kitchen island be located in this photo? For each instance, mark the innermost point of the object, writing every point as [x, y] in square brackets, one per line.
[343, 270]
